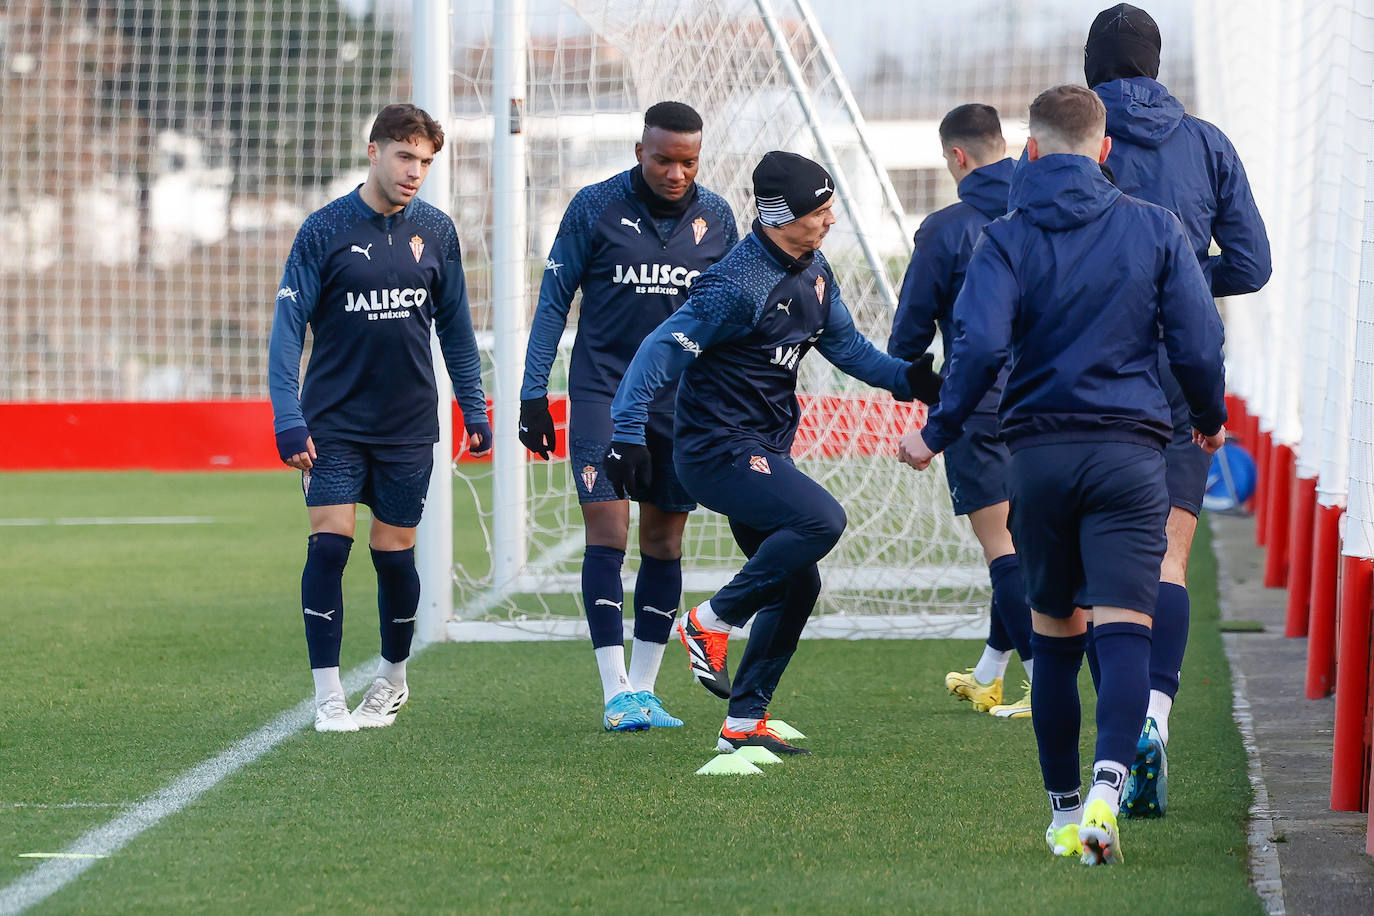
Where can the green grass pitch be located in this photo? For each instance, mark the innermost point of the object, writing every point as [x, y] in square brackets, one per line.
[133, 653]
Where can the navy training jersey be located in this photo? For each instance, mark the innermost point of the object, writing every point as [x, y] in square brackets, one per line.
[737, 343]
[634, 271]
[369, 286]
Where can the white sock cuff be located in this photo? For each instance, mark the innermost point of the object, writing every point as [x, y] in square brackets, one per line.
[707, 619]
[992, 665]
[610, 662]
[645, 660]
[395, 672]
[736, 724]
[1109, 778]
[327, 682]
[1161, 704]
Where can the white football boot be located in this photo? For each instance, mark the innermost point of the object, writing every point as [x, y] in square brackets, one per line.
[331, 715]
[380, 704]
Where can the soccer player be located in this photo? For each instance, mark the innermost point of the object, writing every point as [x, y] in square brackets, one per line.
[975, 463]
[369, 273]
[1164, 155]
[1077, 286]
[737, 343]
[634, 244]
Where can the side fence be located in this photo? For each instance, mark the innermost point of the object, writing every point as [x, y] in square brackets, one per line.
[1301, 351]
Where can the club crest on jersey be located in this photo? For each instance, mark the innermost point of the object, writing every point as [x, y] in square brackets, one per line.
[760, 464]
[417, 247]
[588, 477]
[698, 229]
[820, 289]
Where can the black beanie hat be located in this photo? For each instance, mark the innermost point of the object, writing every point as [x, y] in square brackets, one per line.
[788, 186]
[1123, 42]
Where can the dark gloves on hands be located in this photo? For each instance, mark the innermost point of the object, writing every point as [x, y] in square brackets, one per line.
[629, 469]
[536, 427]
[923, 380]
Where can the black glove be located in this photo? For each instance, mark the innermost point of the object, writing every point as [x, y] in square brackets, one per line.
[629, 469]
[481, 429]
[923, 380]
[291, 442]
[536, 427]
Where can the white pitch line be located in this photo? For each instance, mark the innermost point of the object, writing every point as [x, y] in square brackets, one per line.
[107, 520]
[32, 888]
[69, 805]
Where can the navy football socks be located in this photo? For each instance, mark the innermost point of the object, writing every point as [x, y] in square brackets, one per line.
[999, 640]
[1009, 602]
[1172, 611]
[1054, 696]
[1093, 667]
[322, 597]
[1123, 651]
[658, 590]
[398, 597]
[603, 595]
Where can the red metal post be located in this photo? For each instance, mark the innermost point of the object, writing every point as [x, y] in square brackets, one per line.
[1263, 447]
[1300, 555]
[1349, 758]
[1321, 626]
[1280, 496]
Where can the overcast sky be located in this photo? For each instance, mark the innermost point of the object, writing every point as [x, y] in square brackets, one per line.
[862, 30]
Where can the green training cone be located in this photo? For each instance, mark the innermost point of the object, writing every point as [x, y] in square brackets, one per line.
[728, 765]
[784, 731]
[755, 754]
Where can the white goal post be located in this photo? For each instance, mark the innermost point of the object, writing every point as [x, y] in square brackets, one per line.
[553, 102]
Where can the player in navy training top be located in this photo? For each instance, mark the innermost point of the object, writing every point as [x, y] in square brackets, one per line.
[976, 463]
[634, 244]
[737, 343]
[1162, 154]
[369, 273]
[1077, 286]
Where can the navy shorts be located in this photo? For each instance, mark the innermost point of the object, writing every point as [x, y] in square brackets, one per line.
[1088, 520]
[1187, 462]
[391, 479]
[976, 467]
[589, 435]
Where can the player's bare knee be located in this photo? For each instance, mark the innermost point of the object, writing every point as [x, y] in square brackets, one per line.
[660, 533]
[607, 523]
[390, 537]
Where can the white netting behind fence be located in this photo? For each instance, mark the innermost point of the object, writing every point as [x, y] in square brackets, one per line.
[1293, 85]
[158, 160]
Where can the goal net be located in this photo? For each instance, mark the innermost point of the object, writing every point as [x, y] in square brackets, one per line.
[763, 78]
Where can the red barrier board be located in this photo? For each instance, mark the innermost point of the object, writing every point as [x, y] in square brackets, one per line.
[237, 435]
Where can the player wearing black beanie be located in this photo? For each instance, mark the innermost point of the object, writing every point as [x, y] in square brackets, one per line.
[1123, 42]
[1164, 155]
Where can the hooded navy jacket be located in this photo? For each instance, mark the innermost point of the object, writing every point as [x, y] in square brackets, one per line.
[1164, 155]
[944, 243]
[1075, 286]
[737, 343]
[634, 271]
